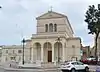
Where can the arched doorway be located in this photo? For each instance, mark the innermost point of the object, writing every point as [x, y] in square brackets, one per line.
[37, 50]
[47, 52]
[58, 51]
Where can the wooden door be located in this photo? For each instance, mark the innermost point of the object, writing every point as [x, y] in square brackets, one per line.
[49, 56]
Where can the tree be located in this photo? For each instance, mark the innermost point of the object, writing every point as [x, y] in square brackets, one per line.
[92, 18]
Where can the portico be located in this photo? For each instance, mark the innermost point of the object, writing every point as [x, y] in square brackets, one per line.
[48, 52]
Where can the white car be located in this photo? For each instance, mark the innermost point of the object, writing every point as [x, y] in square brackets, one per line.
[74, 66]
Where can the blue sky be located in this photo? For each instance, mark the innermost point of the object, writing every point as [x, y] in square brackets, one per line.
[18, 18]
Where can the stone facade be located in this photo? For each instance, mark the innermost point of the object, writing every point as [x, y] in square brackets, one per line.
[15, 52]
[86, 52]
[54, 40]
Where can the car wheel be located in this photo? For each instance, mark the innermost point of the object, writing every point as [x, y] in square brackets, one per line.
[86, 69]
[73, 70]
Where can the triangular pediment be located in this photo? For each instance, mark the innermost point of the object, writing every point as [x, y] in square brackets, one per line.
[51, 14]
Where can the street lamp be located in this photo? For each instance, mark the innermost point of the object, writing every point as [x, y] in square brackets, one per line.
[23, 41]
[0, 6]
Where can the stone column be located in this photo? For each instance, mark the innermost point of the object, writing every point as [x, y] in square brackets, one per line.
[63, 53]
[42, 53]
[52, 52]
[32, 55]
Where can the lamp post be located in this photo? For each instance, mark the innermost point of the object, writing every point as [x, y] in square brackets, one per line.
[23, 41]
[0, 6]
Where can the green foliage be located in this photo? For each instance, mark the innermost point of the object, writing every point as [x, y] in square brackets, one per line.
[93, 20]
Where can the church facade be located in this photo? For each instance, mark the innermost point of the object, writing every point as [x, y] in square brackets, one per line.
[54, 40]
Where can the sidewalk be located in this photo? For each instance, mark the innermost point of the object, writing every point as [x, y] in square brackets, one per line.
[47, 67]
[93, 68]
[33, 70]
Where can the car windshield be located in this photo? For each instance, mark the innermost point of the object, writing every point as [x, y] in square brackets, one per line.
[77, 63]
[80, 63]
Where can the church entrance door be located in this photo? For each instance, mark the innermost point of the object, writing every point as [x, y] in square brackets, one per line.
[49, 56]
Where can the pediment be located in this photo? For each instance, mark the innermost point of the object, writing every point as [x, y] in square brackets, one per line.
[51, 14]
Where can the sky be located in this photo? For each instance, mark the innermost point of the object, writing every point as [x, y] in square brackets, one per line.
[18, 18]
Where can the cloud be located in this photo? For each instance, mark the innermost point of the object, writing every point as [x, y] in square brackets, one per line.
[24, 12]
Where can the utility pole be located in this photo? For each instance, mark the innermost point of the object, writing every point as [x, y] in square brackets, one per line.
[23, 41]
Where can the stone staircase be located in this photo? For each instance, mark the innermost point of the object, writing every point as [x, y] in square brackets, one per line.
[49, 65]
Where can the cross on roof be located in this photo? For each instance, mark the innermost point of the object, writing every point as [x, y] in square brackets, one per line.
[51, 8]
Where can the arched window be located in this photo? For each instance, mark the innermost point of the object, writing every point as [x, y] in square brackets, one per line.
[50, 27]
[46, 28]
[55, 27]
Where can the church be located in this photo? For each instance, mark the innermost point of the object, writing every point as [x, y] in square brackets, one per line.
[54, 40]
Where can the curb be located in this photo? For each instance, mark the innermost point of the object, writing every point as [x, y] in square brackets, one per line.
[92, 71]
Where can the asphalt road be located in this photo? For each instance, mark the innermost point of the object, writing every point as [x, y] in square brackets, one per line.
[1, 70]
[28, 70]
[93, 67]
[39, 70]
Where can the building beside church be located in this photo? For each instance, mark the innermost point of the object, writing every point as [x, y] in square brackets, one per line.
[14, 52]
[86, 53]
[54, 40]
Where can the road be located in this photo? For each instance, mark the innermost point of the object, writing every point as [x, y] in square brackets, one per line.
[38, 70]
[93, 67]
[28, 70]
[1, 70]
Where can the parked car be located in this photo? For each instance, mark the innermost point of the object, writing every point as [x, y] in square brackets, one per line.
[90, 61]
[74, 66]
